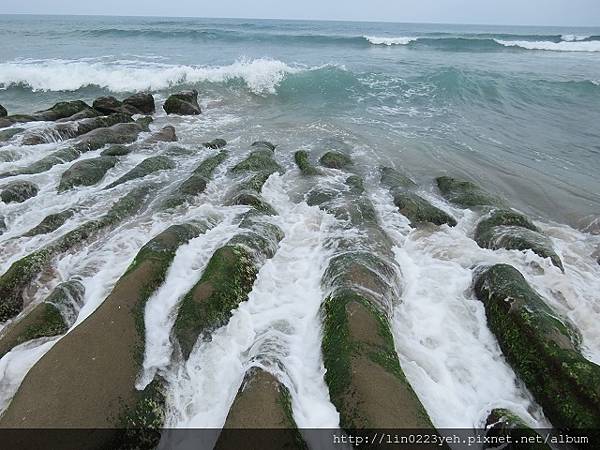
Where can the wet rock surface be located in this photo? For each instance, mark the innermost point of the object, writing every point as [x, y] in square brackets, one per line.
[18, 191]
[541, 347]
[184, 103]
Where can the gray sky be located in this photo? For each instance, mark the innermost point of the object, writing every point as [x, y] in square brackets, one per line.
[509, 12]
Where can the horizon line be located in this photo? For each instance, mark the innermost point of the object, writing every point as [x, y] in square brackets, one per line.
[301, 20]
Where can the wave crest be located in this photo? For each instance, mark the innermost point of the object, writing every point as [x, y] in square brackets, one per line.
[576, 45]
[402, 40]
[261, 76]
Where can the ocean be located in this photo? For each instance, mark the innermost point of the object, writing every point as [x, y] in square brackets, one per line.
[515, 110]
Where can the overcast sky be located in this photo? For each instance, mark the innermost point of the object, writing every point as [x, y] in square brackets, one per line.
[509, 12]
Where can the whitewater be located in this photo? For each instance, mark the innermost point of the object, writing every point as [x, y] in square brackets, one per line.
[513, 109]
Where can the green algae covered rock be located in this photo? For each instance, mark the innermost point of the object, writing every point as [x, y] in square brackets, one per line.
[262, 402]
[116, 150]
[225, 283]
[197, 182]
[502, 423]
[8, 134]
[146, 167]
[61, 110]
[302, 159]
[50, 223]
[356, 184]
[366, 383]
[418, 210]
[87, 172]
[50, 318]
[18, 191]
[258, 161]
[542, 349]
[513, 231]
[254, 200]
[466, 194]
[411, 205]
[393, 179]
[335, 160]
[23, 271]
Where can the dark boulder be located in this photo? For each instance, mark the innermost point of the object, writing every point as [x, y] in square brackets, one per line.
[542, 348]
[88, 113]
[2, 225]
[166, 134]
[61, 110]
[121, 133]
[142, 102]
[110, 105]
[18, 191]
[215, 144]
[394, 180]
[3, 112]
[335, 160]
[184, 103]
[87, 172]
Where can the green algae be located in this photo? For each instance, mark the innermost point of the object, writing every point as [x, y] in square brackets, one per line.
[542, 349]
[335, 160]
[466, 194]
[302, 159]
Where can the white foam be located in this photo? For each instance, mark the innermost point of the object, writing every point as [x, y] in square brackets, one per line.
[278, 328]
[573, 37]
[403, 40]
[449, 356]
[160, 312]
[575, 46]
[262, 76]
[15, 365]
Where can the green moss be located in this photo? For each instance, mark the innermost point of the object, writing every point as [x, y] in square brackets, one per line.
[52, 324]
[503, 217]
[16, 279]
[303, 162]
[255, 183]
[258, 161]
[146, 167]
[542, 349]
[335, 160]
[340, 347]
[51, 223]
[393, 179]
[517, 238]
[257, 202]
[317, 197]
[87, 172]
[116, 150]
[466, 194]
[141, 426]
[23, 271]
[503, 423]
[418, 210]
[356, 184]
[225, 283]
[208, 166]
[285, 402]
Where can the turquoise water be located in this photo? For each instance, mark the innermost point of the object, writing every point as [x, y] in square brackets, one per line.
[516, 109]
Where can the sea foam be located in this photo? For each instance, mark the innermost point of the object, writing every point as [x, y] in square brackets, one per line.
[402, 40]
[261, 76]
[576, 45]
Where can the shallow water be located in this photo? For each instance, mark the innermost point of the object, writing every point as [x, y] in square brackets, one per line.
[469, 101]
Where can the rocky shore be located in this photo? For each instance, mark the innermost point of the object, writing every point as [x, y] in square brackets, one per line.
[88, 378]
